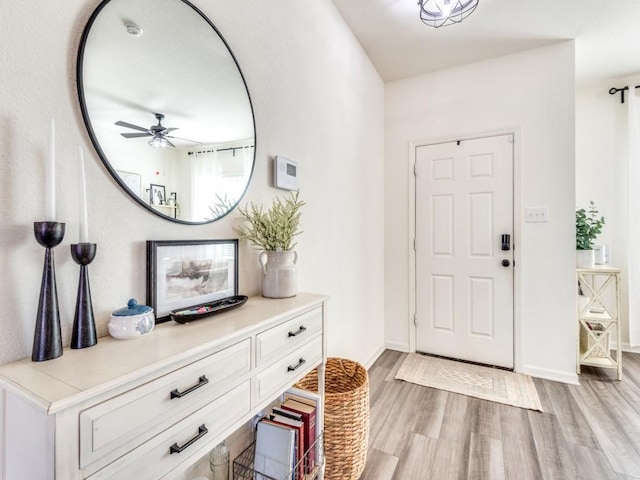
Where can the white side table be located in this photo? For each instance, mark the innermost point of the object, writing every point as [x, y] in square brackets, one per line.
[599, 318]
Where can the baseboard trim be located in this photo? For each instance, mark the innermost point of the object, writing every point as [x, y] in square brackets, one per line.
[628, 348]
[398, 347]
[374, 357]
[2, 434]
[555, 375]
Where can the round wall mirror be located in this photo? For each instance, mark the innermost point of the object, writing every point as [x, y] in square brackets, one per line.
[167, 108]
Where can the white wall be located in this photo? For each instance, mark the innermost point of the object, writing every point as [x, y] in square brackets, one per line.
[531, 93]
[601, 172]
[317, 100]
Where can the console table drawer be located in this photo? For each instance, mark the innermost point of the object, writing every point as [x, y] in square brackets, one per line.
[291, 334]
[288, 370]
[124, 422]
[164, 452]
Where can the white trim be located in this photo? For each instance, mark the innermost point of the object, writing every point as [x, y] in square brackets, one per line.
[412, 252]
[627, 348]
[518, 330]
[3, 472]
[555, 375]
[399, 347]
[374, 357]
[517, 317]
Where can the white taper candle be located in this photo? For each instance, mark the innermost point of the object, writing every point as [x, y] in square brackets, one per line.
[50, 177]
[84, 225]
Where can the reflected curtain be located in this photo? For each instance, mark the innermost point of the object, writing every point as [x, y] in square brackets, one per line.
[634, 218]
[204, 178]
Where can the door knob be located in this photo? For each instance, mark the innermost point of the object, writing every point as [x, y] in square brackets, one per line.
[506, 263]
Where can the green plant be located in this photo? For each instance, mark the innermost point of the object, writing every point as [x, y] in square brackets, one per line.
[275, 228]
[222, 206]
[588, 227]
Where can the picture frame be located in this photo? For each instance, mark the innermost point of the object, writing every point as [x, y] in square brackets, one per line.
[157, 194]
[184, 273]
[132, 180]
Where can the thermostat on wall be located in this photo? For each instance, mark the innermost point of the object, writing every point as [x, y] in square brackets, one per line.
[285, 173]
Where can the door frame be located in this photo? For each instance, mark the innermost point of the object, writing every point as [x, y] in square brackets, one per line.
[517, 317]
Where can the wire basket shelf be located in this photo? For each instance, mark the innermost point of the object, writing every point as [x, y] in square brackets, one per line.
[243, 465]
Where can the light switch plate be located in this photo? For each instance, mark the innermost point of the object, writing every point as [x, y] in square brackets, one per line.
[536, 214]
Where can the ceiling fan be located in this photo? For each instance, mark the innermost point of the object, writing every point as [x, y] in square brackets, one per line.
[158, 133]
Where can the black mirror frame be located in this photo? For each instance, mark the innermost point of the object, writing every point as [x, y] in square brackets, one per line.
[96, 144]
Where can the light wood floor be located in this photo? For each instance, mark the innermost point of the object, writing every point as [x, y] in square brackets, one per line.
[591, 431]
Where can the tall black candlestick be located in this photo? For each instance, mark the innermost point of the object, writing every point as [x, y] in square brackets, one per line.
[84, 326]
[47, 340]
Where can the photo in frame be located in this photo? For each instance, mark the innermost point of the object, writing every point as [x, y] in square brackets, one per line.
[184, 273]
[157, 194]
[132, 180]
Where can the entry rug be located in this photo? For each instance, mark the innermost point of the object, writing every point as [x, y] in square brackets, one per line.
[473, 380]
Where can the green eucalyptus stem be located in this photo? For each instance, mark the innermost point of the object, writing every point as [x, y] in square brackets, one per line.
[274, 229]
[588, 227]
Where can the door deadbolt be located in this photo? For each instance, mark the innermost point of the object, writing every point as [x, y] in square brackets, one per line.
[505, 241]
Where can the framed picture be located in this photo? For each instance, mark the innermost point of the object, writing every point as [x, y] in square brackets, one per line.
[132, 180]
[157, 194]
[181, 274]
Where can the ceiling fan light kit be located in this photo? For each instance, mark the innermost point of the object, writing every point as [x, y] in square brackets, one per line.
[159, 142]
[440, 13]
[158, 133]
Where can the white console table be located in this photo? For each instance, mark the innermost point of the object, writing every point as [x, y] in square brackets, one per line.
[149, 408]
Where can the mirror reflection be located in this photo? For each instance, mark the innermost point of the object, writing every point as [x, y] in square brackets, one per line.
[167, 108]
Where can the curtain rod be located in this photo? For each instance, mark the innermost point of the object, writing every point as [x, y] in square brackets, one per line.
[221, 150]
[614, 90]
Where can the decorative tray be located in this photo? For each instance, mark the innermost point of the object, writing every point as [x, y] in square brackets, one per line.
[185, 315]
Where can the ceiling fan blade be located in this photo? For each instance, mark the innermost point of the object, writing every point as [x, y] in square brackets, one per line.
[167, 130]
[120, 123]
[170, 144]
[135, 135]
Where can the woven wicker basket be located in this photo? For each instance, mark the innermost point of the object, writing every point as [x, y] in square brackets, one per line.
[601, 350]
[346, 417]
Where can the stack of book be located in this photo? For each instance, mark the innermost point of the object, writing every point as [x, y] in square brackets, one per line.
[286, 439]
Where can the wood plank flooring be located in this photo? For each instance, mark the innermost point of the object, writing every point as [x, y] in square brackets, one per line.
[586, 432]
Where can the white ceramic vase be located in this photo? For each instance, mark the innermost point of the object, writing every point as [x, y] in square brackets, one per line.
[601, 254]
[278, 273]
[584, 258]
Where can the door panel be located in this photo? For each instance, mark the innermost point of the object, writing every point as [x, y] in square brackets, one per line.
[443, 225]
[480, 222]
[480, 306]
[443, 302]
[464, 295]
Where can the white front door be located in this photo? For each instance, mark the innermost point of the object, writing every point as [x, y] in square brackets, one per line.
[464, 274]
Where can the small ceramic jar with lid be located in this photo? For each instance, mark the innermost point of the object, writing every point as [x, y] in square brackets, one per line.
[132, 321]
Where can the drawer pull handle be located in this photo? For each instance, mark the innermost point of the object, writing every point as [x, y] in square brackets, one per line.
[302, 329]
[301, 362]
[202, 381]
[202, 431]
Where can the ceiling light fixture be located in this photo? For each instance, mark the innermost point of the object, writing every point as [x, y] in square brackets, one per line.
[440, 13]
[159, 142]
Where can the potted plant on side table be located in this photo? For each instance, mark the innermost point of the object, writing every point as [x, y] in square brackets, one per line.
[588, 226]
[273, 231]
